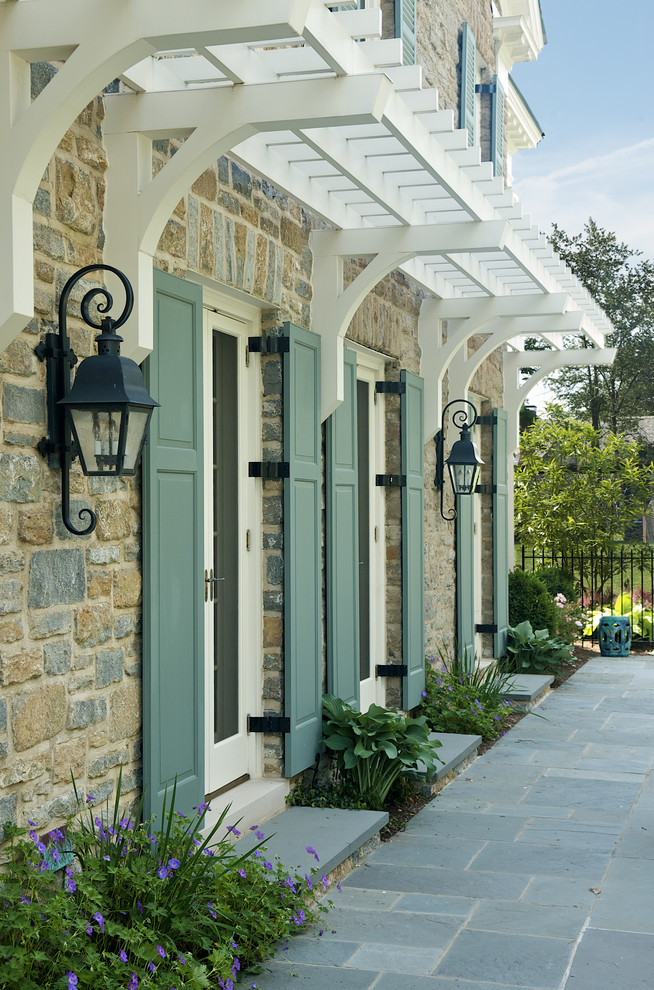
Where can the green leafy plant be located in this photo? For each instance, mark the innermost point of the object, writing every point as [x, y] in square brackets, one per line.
[336, 793]
[529, 652]
[141, 906]
[457, 699]
[530, 599]
[373, 748]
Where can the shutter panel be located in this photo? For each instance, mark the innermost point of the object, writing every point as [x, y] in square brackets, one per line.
[465, 579]
[173, 516]
[405, 28]
[302, 546]
[413, 550]
[500, 532]
[468, 77]
[342, 543]
[497, 128]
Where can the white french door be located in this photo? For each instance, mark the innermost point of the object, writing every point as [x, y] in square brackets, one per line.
[232, 600]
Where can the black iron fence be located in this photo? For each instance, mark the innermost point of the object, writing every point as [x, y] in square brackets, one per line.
[621, 580]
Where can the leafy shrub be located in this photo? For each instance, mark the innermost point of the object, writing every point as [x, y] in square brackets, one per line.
[140, 907]
[558, 581]
[529, 599]
[337, 793]
[529, 652]
[571, 619]
[373, 748]
[459, 700]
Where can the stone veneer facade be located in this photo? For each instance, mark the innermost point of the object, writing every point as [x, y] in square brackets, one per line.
[70, 607]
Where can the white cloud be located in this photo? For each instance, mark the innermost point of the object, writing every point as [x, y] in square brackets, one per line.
[616, 189]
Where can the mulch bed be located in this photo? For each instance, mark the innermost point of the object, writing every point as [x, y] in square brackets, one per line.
[400, 814]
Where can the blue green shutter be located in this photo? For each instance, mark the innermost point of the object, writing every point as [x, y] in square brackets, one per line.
[413, 550]
[302, 550]
[500, 532]
[173, 516]
[405, 28]
[468, 78]
[465, 579]
[497, 128]
[342, 542]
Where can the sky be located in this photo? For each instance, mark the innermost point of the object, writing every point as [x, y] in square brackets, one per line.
[592, 91]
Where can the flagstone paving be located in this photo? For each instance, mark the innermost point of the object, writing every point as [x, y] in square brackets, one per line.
[532, 870]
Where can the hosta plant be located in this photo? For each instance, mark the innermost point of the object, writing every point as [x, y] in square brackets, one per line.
[529, 652]
[373, 748]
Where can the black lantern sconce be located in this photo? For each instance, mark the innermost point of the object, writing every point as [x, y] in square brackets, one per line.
[103, 417]
[464, 462]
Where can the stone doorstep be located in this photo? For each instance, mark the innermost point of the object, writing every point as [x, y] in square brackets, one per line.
[528, 689]
[335, 834]
[454, 750]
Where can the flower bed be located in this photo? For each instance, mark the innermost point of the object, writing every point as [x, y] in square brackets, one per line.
[116, 904]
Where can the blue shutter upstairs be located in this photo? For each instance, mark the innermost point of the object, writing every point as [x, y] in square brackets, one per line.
[405, 28]
[468, 78]
[497, 127]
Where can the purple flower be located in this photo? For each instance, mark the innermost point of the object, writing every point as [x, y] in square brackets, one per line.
[260, 836]
[133, 983]
[140, 907]
[233, 828]
[233, 945]
[90, 799]
[182, 961]
[173, 864]
[70, 883]
[242, 873]
[100, 920]
[309, 884]
[30, 822]
[268, 866]
[424, 694]
[161, 951]
[211, 910]
[325, 882]
[123, 955]
[313, 853]
[89, 929]
[162, 873]
[72, 980]
[338, 887]
[152, 967]
[24, 899]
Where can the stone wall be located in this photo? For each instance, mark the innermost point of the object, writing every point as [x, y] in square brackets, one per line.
[70, 652]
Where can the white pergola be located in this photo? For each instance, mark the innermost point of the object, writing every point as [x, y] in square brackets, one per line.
[315, 102]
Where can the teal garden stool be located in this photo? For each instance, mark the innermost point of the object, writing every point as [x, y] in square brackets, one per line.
[614, 635]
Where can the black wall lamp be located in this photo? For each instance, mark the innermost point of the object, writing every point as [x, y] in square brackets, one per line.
[103, 417]
[464, 462]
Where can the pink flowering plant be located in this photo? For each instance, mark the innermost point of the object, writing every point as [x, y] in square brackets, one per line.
[570, 618]
[116, 903]
[457, 699]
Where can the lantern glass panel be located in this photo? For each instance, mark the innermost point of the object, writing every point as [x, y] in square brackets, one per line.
[137, 426]
[464, 478]
[98, 435]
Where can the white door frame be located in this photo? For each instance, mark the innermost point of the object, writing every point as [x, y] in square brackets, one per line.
[241, 754]
[370, 368]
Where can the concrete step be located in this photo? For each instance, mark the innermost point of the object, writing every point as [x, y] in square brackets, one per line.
[526, 690]
[336, 836]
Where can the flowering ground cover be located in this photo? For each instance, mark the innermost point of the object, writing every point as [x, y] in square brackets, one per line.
[113, 903]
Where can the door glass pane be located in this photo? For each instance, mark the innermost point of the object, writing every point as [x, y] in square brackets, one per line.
[225, 536]
[363, 435]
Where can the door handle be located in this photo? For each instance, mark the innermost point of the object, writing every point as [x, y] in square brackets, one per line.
[209, 582]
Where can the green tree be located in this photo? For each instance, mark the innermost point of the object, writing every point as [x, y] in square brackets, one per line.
[575, 487]
[613, 396]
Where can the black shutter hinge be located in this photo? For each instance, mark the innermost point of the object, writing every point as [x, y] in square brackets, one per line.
[269, 345]
[391, 670]
[269, 470]
[390, 480]
[268, 723]
[486, 420]
[391, 388]
[485, 627]
[486, 88]
[486, 490]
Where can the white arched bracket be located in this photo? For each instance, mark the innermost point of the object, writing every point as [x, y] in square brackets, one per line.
[98, 42]
[334, 305]
[139, 205]
[467, 317]
[515, 394]
[463, 369]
